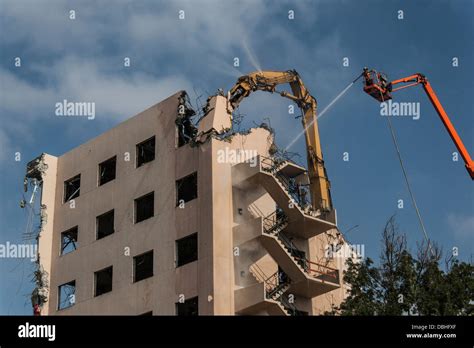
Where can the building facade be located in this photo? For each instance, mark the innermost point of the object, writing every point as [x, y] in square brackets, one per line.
[149, 219]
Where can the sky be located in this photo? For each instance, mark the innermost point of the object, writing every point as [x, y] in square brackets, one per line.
[82, 59]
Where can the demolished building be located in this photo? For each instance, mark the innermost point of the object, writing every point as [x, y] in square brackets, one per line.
[146, 218]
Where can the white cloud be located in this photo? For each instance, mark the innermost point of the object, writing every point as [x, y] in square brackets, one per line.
[22, 97]
[116, 96]
[46, 27]
[209, 26]
[84, 55]
[214, 26]
[461, 225]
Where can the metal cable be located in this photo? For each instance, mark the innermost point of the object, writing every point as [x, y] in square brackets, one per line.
[392, 132]
[405, 175]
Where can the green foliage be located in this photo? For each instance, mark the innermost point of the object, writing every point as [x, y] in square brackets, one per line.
[362, 299]
[403, 284]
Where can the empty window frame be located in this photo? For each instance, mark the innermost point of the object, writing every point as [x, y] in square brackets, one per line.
[103, 281]
[72, 188]
[144, 207]
[185, 131]
[66, 295]
[188, 307]
[186, 249]
[145, 151]
[105, 224]
[107, 170]
[69, 240]
[186, 189]
[143, 266]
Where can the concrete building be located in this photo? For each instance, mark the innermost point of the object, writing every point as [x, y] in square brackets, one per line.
[155, 217]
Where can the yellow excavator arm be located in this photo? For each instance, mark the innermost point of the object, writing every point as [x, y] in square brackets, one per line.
[267, 81]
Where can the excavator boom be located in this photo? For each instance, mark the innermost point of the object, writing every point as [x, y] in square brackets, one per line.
[268, 81]
[382, 91]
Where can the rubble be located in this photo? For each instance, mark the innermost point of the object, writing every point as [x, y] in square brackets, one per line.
[35, 171]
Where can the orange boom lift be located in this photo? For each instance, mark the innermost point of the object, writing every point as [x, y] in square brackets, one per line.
[377, 86]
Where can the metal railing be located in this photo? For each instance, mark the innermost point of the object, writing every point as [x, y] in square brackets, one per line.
[272, 284]
[255, 210]
[299, 194]
[277, 282]
[275, 222]
[290, 307]
[319, 271]
[275, 285]
[294, 251]
[271, 165]
[280, 282]
[257, 273]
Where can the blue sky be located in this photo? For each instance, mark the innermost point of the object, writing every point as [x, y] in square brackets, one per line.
[82, 60]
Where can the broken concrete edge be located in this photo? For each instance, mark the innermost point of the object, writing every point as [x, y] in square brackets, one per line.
[186, 128]
[217, 119]
[216, 123]
[35, 172]
[35, 169]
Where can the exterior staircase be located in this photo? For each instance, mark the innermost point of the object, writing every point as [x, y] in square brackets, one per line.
[307, 278]
[293, 217]
[276, 287]
[279, 179]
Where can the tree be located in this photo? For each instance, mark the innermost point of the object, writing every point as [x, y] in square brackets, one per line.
[397, 275]
[363, 277]
[405, 285]
[461, 289]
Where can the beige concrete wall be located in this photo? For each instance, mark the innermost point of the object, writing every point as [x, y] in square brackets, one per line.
[318, 252]
[159, 233]
[226, 210]
[213, 215]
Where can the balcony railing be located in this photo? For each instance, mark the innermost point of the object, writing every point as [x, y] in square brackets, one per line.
[271, 165]
[273, 284]
[275, 222]
[290, 307]
[319, 271]
[300, 194]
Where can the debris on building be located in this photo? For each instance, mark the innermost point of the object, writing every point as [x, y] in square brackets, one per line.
[244, 233]
[35, 171]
